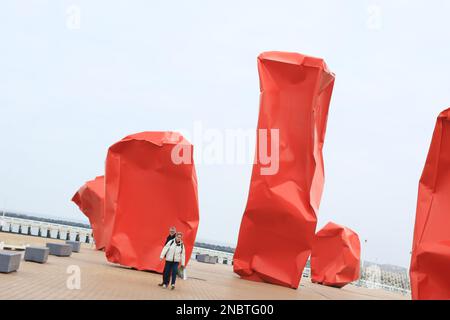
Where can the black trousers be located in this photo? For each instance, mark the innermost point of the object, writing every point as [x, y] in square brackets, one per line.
[170, 270]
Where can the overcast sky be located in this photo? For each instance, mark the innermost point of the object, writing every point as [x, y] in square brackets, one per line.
[69, 88]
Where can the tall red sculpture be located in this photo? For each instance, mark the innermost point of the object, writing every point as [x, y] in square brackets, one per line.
[335, 256]
[90, 198]
[430, 260]
[279, 222]
[151, 185]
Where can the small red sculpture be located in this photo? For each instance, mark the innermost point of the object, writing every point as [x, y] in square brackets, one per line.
[335, 256]
[90, 198]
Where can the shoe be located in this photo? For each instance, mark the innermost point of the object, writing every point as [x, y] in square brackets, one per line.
[160, 284]
[164, 286]
[172, 287]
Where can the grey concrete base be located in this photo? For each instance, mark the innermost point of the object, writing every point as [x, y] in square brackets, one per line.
[206, 258]
[60, 249]
[36, 254]
[75, 245]
[9, 261]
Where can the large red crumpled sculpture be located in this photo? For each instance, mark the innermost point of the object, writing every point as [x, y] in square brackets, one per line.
[90, 198]
[279, 221]
[430, 260]
[150, 185]
[335, 256]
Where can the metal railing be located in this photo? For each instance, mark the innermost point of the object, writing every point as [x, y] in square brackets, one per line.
[376, 285]
[45, 229]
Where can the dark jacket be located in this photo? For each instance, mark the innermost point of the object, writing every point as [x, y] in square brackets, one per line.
[169, 237]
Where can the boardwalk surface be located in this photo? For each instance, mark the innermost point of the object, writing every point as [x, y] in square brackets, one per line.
[103, 280]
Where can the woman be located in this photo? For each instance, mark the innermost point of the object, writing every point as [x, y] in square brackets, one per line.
[174, 252]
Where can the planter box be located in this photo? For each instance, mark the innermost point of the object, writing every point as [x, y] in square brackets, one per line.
[9, 261]
[36, 254]
[60, 249]
[75, 245]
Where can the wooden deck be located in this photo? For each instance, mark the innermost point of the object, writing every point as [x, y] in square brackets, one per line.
[100, 279]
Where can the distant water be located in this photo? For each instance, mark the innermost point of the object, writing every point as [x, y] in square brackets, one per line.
[46, 218]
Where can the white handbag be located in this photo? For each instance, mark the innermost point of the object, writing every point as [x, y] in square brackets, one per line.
[182, 273]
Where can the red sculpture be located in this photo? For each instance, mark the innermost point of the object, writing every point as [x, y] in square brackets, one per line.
[151, 185]
[90, 199]
[279, 222]
[430, 260]
[335, 256]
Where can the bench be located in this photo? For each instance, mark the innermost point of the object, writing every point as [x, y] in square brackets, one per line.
[75, 245]
[36, 254]
[9, 261]
[206, 258]
[13, 247]
[59, 249]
